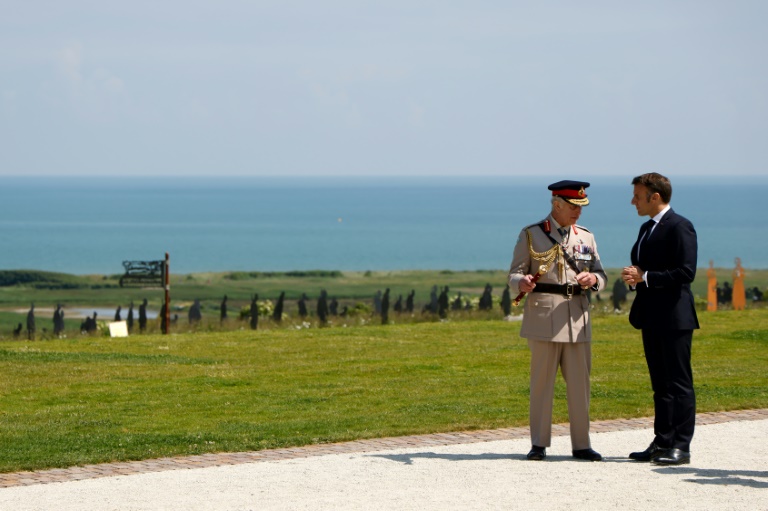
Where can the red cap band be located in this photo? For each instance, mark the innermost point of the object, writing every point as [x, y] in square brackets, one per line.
[571, 194]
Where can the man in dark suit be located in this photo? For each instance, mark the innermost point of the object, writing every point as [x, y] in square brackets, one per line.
[663, 267]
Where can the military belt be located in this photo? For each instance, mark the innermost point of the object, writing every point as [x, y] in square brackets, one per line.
[558, 289]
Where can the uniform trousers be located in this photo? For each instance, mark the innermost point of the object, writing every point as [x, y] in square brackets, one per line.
[575, 363]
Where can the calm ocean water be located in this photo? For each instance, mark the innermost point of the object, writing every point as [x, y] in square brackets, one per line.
[82, 226]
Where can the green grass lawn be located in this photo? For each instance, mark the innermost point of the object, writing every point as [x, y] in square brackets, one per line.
[94, 399]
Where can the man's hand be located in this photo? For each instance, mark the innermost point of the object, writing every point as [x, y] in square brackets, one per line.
[586, 279]
[632, 275]
[525, 285]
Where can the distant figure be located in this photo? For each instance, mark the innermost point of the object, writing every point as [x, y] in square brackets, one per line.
[117, 313]
[31, 323]
[333, 308]
[58, 320]
[143, 315]
[223, 310]
[506, 302]
[302, 303]
[254, 312]
[409, 301]
[385, 308]
[377, 302]
[458, 303]
[433, 300]
[130, 317]
[739, 295]
[620, 292]
[398, 307]
[277, 314]
[322, 307]
[711, 287]
[17, 331]
[195, 315]
[442, 303]
[89, 326]
[486, 300]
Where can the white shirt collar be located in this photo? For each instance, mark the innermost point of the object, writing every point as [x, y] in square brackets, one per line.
[658, 217]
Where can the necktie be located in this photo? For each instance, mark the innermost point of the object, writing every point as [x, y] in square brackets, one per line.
[647, 226]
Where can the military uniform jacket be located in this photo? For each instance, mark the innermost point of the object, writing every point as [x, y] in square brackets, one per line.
[549, 316]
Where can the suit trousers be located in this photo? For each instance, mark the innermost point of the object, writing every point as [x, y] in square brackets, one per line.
[668, 354]
[575, 362]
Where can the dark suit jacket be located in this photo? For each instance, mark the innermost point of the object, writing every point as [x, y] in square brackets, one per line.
[669, 257]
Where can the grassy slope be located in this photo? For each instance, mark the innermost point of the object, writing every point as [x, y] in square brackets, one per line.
[95, 399]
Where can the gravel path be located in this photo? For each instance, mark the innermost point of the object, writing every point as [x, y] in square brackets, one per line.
[729, 470]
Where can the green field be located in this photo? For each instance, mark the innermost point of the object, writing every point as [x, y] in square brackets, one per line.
[90, 399]
[352, 289]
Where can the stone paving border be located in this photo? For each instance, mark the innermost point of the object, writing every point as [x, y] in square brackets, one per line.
[358, 446]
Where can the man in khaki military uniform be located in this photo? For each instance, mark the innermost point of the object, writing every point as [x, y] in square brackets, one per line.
[556, 261]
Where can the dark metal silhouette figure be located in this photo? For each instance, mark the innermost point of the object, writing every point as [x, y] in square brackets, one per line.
[303, 305]
[194, 315]
[31, 323]
[143, 315]
[442, 303]
[130, 317]
[117, 313]
[486, 300]
[223, 309]
[333, 308]
[277, 314]
[409, 301]
[58, 320]
[254, 312]
[89, 326]
[457, 304]
[433, 300]
[322, 307]
[385, 308]
[506, 302]
[398, 307]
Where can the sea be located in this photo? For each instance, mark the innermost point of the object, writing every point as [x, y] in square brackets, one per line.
[90, 225]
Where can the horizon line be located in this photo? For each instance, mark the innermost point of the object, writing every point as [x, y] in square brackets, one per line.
[383, 175]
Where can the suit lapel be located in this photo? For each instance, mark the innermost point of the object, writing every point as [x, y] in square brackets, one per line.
[663, 224]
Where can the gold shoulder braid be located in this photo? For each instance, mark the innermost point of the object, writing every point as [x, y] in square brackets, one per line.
[547, 258]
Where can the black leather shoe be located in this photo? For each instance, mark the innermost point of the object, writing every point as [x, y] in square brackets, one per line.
[587, 454]
[673, 457]
[537, 453]
[651, 452]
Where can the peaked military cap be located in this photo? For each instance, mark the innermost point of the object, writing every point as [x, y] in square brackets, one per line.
[571, 191]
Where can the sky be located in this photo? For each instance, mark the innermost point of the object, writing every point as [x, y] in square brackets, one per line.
[395, 87]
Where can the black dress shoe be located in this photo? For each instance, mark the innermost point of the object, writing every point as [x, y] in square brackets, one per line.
[651, 452]
[673, 457]
[537, 453]
[587, 454]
